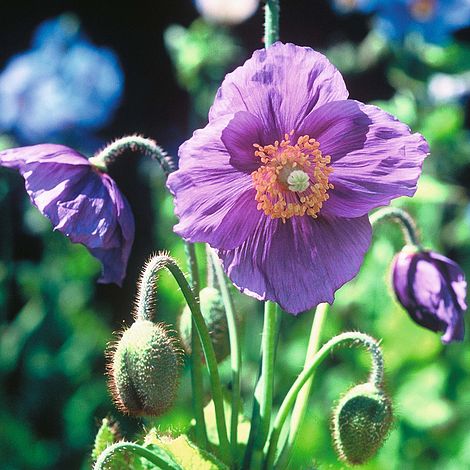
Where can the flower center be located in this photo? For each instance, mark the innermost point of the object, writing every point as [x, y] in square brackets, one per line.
[293, 179]
[422, 10]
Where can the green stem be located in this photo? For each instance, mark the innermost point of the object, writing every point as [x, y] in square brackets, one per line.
[353, 338]
[406, 222]
[265, 385]
[136, 449]
[235, 350]
[156, 264]
[133, 143]
[197, 383]
[271, 22]
[301, 402]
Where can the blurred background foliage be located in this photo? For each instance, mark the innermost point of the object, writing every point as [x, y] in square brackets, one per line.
[153, 67]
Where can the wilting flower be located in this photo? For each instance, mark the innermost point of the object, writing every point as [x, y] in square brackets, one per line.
[434, 20]
[281, 179]
[432, 288]
[63, 86]
[81, 202]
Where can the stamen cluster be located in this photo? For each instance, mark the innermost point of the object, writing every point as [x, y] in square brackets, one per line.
[275, 193]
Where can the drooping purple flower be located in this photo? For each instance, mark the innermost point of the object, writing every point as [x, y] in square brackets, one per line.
[281, 179]
[432, 288]
[81, 202]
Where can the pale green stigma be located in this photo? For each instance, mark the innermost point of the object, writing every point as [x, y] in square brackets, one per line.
[298, 181]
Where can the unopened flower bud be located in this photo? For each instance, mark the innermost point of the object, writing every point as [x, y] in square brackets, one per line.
[144, 369]
[213, 311]
[361, 423]
[432, 288]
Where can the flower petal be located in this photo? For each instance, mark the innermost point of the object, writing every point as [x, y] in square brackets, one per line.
[300, 263]
[211, 195]
[375, 158]
[81, 202]
[266, 87]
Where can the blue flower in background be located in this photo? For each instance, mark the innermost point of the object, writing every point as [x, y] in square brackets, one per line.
[348, 6]
[434, 20]
[64, 86]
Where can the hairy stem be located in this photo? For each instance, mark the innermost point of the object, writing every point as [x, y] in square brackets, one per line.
[344, 339]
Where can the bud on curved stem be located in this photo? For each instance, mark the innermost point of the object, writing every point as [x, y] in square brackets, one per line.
[145, 307]
[406, 222]
[144, 369]
[361, 423]
[133, 143]
[344, 339]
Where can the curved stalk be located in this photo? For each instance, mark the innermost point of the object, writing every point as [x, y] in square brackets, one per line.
[301, 402]
[353, 338]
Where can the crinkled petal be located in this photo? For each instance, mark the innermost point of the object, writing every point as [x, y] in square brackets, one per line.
[375, 158]
[280, 85]
[300, 263]
[81, 202]
[215, 201]
[15, 158]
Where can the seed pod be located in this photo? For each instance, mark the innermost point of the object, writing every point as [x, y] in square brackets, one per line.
[213, 311]
[144, 369]
[361, 423]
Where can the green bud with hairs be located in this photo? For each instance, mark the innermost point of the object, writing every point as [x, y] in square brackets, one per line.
[361, 423]
[213, 311]
[144, 369]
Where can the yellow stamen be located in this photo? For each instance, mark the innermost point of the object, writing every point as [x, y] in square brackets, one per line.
[293, 179]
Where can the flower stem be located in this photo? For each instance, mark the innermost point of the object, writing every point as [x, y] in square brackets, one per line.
[133, 143]
[104, 457]
[406, 222]
[263, 398]
[301, 401]
[197, 384]
[153, 267]
[351, 338]
[271, 22]
[235, 350]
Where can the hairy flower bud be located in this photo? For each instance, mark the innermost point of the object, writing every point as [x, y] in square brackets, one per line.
[144, 369]
[361, 422]
[213, 311]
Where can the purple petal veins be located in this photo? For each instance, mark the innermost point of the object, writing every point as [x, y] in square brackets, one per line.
[282, 178]
[80, 201]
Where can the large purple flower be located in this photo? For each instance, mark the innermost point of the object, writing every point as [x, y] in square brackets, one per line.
[281, 179]
[432, 288]
[81, 202]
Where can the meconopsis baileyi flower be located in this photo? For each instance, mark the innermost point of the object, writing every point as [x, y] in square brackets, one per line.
[432, 288]
[81, 202]
[282, 178]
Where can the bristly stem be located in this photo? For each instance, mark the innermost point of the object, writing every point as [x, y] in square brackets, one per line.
[235, 350]
[136, 449]
[406, 222]
[162, 261]
[301, 401]
[344, 339]
[133, 143]
[197, 383]
[271, 22]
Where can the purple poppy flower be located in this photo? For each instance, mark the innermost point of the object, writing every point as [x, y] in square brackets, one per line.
[432, 288]
[281, 179]
[80, 201]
